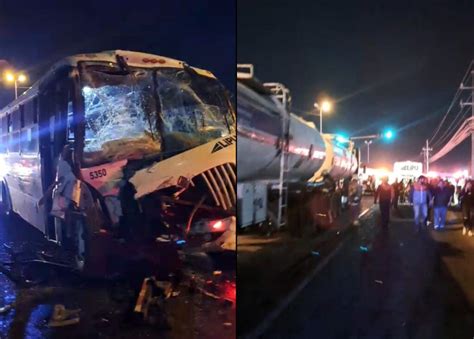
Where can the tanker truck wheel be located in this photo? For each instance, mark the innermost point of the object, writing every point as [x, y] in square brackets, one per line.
[266, 228]
[5, 206]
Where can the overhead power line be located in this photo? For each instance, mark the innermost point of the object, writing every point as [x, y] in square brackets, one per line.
[450, 130]
[456, 97]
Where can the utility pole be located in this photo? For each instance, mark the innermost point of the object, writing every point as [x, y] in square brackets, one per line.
[462, 87]
[472, 135]
[426, 153]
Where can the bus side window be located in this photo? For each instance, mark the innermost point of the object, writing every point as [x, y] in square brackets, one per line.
[15, 137]
[30, 140]
[22, 116]
[3, 135]
[29, 143]
[70, 121]
[52, 128]
[9, 124]
[29, 113]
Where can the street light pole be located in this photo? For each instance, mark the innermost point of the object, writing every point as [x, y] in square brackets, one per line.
[368, 142]
[15, 78]
[320, 120]
[325, 106]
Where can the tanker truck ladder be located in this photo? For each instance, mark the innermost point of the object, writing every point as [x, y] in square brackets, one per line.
[282, 217]
[282, 94]
[283, 185]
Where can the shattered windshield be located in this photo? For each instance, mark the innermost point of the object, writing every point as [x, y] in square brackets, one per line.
[194, 108]
[120, 114]
[133, 113]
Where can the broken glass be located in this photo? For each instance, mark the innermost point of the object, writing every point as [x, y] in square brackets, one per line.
[120, 116]
[194, 109]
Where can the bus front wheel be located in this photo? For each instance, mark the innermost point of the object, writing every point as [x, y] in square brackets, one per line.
[81, 255]
[5, 207]
[71, 234]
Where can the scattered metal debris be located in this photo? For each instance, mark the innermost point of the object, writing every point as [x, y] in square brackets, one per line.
[63, 317]
[150, 300]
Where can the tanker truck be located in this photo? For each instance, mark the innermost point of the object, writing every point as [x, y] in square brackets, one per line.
[280, 155]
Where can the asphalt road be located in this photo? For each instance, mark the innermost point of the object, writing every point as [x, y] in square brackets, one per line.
[388, 284]
[105, 305]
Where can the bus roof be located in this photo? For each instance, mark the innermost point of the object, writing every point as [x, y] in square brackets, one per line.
[134, 59]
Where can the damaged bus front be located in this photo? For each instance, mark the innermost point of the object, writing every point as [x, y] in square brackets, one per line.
[136, 151]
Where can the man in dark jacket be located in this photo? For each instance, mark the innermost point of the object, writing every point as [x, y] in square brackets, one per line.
[384, 195]
[442, 195]
[396, 194]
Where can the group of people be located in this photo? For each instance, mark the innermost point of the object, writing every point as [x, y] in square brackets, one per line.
[429, 199]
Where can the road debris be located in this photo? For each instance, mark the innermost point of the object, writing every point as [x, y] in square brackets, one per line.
[7, 308]
[63, 317]
[151, 299]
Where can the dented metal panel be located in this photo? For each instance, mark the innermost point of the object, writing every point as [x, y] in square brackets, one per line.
[188, 164]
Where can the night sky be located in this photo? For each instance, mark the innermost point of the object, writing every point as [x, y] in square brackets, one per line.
[35, 34]
[387, 63]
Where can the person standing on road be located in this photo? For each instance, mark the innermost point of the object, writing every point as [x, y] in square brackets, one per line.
[442, 197]
[452, 189]
[432, 184]
[329, 190]
[355, 196]
[420, 196]
[384, 194]
[401, 188]
[467, 205]
[396, 194]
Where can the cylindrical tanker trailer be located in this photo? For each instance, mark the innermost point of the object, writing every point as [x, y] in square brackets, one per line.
[262, 142]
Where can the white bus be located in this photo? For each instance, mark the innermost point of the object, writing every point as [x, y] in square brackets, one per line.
[147, 144]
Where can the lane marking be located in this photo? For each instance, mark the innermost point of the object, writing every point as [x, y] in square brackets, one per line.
[276, 312]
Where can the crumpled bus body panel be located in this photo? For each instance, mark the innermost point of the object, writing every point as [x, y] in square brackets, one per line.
[180, 169]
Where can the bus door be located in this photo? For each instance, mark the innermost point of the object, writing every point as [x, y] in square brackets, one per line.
[55, 107]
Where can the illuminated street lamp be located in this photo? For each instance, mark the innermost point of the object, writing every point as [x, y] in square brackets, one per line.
[15, 78]
[324, 106]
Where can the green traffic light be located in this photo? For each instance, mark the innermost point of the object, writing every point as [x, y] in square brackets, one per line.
[342, 139]
[388, 134]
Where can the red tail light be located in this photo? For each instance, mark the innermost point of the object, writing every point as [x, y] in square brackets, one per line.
[217, 225]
